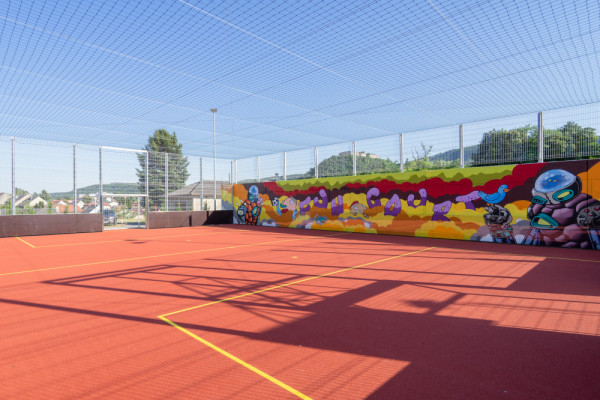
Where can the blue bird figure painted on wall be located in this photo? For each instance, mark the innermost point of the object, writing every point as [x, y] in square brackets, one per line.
[495, 198]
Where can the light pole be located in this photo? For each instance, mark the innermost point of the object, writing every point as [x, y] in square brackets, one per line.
[214, 111]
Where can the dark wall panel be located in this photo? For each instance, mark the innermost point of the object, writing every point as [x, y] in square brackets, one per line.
[28, 225]
[181, 219]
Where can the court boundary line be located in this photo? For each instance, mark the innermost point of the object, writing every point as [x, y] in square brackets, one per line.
[124, 240]
[252, 368]
[26, 242]
[166, 255]
[339, 233]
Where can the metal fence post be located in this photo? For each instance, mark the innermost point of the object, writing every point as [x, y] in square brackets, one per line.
[401, 139]
[12, 179]
[74, 178]
[214, 182]
[201, 186]
[147, 202]
[235, 171]
[316, 162]
[166, 181]
[540, 137]
[257, 168]
[100, 199]
[354, 158]
[462, 145]
[285, 166]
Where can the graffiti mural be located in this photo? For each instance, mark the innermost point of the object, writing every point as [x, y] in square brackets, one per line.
[544, 204]
[249, 210]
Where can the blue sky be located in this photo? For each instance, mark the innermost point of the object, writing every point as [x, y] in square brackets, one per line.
[289, 75]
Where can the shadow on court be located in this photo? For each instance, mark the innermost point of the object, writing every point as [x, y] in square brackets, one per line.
[450, 352]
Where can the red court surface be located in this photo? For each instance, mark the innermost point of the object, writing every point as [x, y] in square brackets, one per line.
[235, 312]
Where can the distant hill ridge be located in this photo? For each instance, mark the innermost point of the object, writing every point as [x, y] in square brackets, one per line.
[454, 154]
[116, 187]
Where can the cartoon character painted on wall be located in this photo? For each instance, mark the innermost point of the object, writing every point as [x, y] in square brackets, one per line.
[356, 208]
[558, 214]
[249, 211]
[286, 206]
[498, 218]
[589, 218]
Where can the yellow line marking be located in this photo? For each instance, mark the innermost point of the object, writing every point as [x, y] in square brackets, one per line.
[238, 360]
[27, 243]
[298, 281]
[242, 362]
[163, 255]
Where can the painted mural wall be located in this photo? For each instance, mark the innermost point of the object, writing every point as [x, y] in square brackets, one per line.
[544, 204]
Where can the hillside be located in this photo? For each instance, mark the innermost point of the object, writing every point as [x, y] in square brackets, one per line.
[116, 187]
[454, 154]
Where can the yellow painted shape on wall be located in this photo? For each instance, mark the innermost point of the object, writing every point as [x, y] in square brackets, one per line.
[478, 175]
[591, 181]
[517, 212]
[444, 230]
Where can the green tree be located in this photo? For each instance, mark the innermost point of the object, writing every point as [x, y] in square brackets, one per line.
[87, 199]
[507, 146]
[570, 141]
[424, 160]
[27, 209]
[46, 196]
[159, 143]
[7, 207]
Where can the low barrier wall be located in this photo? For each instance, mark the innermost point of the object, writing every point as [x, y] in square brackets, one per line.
[543, 204]
[29, 225]
[180, 219]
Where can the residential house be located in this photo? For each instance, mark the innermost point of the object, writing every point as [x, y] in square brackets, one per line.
[38, 202]
[21, 199]
[67, 209]
[190, 197]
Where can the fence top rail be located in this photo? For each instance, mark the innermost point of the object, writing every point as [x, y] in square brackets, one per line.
[122, 149]
[124, 194]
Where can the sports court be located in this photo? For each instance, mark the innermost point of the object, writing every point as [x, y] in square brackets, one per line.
[237, 312]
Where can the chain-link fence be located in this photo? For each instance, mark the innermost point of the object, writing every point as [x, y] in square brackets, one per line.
[40, 177]
[565, 134]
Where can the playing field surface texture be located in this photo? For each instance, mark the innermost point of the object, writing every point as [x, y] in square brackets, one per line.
[236, 312]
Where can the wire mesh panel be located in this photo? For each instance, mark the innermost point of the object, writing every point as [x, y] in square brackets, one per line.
[300, 164]
[335, 160]
[180, 191]
[571, 133]
[157, 181]
[5, 176]
[271, 167]
[212, 198]
[223, 179]
[378, 155]
[43, 168]
[123, 173]
[186, 190]
[431, 149]
[246, 170]
[87, 161]
[501, 141]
